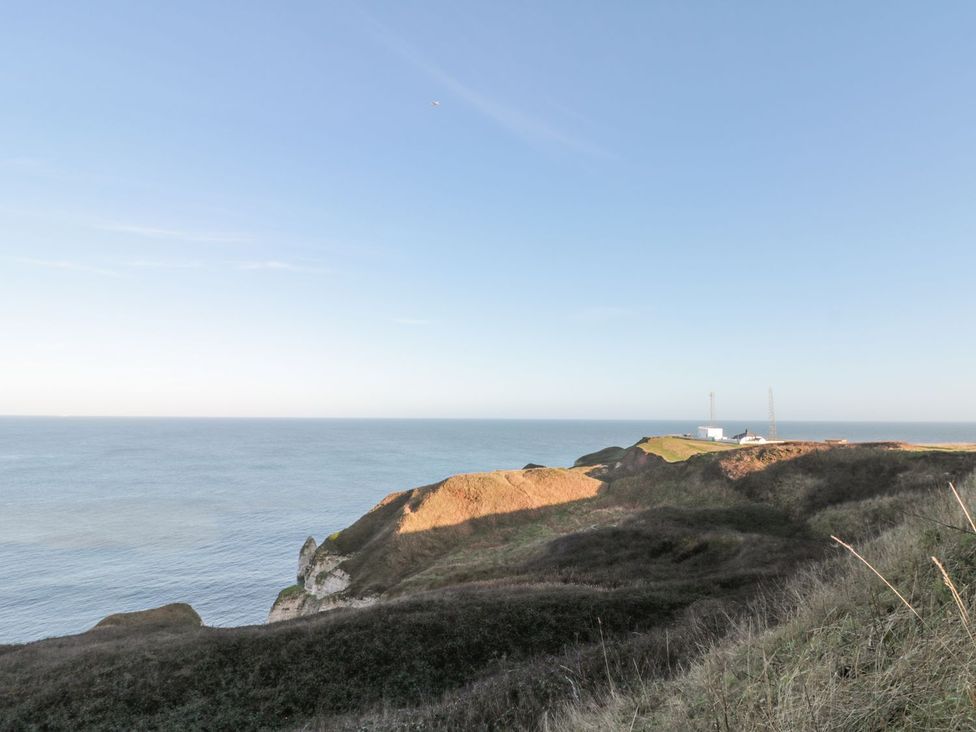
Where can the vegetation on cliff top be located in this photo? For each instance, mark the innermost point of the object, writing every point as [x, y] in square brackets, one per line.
[291, 591]
[675, 449]
[175, 614]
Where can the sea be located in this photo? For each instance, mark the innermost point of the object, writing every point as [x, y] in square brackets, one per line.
[106, 515]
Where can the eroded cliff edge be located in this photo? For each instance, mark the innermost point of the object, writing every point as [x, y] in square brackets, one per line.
[484, 527]
[539, 526]
[408, 531]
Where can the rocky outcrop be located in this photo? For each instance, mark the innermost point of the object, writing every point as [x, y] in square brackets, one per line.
[601, 457]
[305, 555]
[324, 589]
[289, 604]
[175, 615]
[326, 576]
[322, 583]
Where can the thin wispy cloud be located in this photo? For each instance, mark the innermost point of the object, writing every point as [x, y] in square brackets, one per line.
[279, 266]
[516, 121]
[201, 237]
[411, 321]
[67, 265]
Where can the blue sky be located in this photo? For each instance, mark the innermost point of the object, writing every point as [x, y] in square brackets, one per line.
[254, 209]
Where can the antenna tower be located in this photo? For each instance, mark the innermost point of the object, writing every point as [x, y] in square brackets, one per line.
[711, 409]
[772, 416]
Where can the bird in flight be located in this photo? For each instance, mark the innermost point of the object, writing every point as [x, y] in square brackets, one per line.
[435, 103]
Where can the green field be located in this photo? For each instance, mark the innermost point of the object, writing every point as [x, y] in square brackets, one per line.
[676, 449]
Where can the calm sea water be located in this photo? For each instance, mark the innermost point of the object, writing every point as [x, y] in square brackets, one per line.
[109, 515]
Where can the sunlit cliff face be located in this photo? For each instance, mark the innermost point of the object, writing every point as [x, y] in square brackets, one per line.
[477, 495]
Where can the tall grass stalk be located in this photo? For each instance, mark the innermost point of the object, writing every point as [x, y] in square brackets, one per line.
[868, 564]
[962, 505]
[957, 598]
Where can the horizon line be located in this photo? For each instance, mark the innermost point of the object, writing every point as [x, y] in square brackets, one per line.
[481, 419]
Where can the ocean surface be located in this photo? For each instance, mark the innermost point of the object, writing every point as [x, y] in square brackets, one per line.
[104, 515]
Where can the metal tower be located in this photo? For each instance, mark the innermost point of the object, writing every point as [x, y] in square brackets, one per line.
[772, 416]
[711, 409]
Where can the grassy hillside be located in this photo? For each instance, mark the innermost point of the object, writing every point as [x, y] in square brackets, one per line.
[638, 591]
[671, 448]
[836, 648]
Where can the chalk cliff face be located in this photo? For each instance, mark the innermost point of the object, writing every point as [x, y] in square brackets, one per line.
[321, 586]
[305, 555]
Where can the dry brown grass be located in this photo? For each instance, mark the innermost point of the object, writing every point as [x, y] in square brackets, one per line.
[756, 458]
[880, 576]
[462, 498]
[941, 447]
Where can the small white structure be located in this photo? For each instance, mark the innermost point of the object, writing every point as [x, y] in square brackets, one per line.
[749, 438]
[710, 433]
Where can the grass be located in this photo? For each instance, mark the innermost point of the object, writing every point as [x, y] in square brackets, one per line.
[707, 530]
[877, 638]
[492, 553]
[678, 449]
[404, 653]
[291, 591]
[607, 455]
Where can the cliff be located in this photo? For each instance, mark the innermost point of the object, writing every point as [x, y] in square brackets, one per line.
[565, 598]
[505, 525]
[409, 532]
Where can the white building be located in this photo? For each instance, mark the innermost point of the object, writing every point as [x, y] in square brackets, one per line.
[749, 438]
[710, 433]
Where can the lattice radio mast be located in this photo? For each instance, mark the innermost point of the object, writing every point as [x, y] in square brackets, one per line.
[772, 416]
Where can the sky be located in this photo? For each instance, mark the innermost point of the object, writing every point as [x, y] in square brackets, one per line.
[256, 209]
